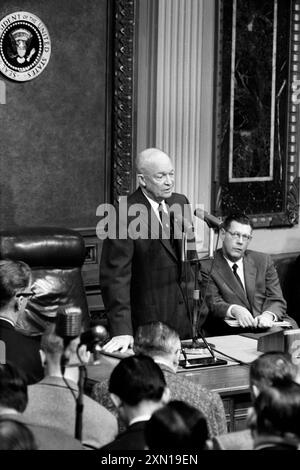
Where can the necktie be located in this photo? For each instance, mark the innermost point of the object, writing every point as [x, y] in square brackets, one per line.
[160, 211]
[166, 223]
[234, 269]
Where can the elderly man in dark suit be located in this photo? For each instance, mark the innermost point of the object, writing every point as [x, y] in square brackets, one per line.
[240, 284]
[141, 274]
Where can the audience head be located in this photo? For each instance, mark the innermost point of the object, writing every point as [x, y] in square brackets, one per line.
[15, 280]
[137, 382]
[15, 435]
[159, 341]
[13, 389]
[236, 234]
[155, 173]
[269, 368]
[177, 426]
[57, 351]
[276, 411]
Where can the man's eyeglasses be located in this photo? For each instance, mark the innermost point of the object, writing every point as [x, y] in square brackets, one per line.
[29, 294]
[238, 235]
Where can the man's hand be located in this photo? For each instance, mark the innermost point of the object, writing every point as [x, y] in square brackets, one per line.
[265, 320]
[243, 316]
[119, 343]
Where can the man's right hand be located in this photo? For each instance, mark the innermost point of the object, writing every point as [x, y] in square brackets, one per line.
[243, 316]
[119, 343]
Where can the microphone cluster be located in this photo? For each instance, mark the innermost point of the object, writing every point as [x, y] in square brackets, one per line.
[69, 326]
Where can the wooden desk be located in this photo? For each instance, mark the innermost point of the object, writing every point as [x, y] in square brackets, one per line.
[231, 381]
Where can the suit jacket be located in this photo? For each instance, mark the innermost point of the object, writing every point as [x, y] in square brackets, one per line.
[51, 403]
[22, 351]
[142, 279]
[208, 402]
[132, 438]
[47, 438]
[239, 440]
[263, 291]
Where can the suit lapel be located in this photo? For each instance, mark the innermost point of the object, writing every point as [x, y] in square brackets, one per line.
[149, 217]
[229, 278]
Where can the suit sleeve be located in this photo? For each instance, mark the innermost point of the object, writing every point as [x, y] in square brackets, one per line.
[115, 280]
[274, 301]
[217, 306]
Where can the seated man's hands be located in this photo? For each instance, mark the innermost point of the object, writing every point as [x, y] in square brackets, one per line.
[119, 343]
[243, 316]
[265, 320]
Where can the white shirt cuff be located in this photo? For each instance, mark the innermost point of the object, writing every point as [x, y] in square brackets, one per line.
[271, 313]
[228, 313]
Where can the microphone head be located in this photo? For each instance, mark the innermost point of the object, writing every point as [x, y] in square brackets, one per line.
[96, 335]
[211, 220]
[68, 322]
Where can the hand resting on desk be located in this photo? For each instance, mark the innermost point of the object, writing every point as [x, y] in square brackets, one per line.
[119, 343]
[244, 319]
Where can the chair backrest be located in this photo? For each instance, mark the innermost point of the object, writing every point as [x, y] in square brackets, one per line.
[56, 256]
[288, 269]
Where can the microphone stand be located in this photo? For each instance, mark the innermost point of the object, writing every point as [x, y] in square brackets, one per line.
[207, 361]
[79, 402]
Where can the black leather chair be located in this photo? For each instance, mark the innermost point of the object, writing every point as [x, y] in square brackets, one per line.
[288, 269]
[56, 256]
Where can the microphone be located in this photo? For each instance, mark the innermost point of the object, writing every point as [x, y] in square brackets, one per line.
[94, 338]
[68, 327]
[211, 220]
[68, 322]
[95, 335]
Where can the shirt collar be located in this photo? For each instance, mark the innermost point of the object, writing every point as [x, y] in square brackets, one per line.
[155, 204]
[140, 418]
[239, 263]
[7, 320]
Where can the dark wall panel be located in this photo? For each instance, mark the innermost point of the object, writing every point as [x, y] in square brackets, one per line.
[53, 128]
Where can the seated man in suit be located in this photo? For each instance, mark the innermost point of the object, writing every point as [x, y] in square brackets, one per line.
[138, 388]
[13, 402]
[275, 417]
[162, 344]
[15, 289]
[266, 371]
[60, 388]
[240, 284]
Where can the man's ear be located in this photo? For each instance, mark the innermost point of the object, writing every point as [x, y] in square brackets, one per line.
[223, 233]
[116, 400]
[166, 396]
[43, 357]
[251, 419]
[209, 445]
[255, 391]
[141, 179]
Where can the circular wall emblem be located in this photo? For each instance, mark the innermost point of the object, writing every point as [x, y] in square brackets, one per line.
[25, 46]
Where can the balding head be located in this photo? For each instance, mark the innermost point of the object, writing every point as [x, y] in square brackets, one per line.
[155, 173]
[149, 157]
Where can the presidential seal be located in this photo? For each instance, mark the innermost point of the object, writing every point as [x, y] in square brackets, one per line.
[25, 46]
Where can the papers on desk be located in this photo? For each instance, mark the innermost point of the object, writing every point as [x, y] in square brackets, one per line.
[282, 324]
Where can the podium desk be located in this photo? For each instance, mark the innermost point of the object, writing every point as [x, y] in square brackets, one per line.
[231, 381]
